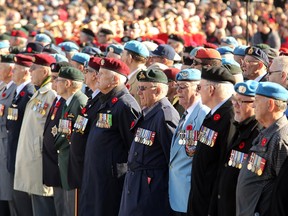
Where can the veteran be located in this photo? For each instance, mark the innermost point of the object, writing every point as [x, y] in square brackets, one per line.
[83, 124]
[184, 140]
[216, 89]
[69, 83]
[268, 152]
[247, 128]
[145, 189]
[28, 166]
[6, 97]
[24, 91]
[108, 142]
[51, 173]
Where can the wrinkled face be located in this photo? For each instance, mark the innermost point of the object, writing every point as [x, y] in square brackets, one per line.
[243, 107]
[147, 93]
[204, 89]
[261, 107]
[62, 85]
[54, 77]
[104, 80]
[249, 66]
[37, 74]
[5, 71]
[186, 92]
[18, 74]
[275, 74]
[90, 77]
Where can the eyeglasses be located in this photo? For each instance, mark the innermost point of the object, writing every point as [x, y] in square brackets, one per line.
[271, 72]
[182, 87]
[199, 87]
[240, 102]
[143, 88]
[249, 62]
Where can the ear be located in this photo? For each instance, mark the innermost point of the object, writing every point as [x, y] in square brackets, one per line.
[271, 105]
[283, 76]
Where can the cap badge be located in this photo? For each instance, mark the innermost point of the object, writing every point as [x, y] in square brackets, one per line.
[242, 89]
[33, 59]
[142, 75]
[111, 49]
[184, 74]
[15, 59]
[250, 51]
[102, 62]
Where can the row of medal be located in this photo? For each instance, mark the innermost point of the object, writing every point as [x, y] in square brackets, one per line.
[12, 114]
[237, 158]
[145, 136]
[40, 106]
[65, 126]
[104, 120]
[207, 136]
[188, 137]
[80, 124]
[256, 164]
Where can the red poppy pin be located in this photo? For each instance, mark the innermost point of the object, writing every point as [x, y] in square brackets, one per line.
[3, 94]
[83, 111]
[29, 49]
[241, 145]
[216, 117]
[264, 141]
[189, 127]
[127, 86]
[58, 104]
[132, 124]
[65, 114]
[22, 93]
[114, 100]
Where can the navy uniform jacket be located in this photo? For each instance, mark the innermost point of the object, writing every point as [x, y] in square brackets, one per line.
[62, 141]
[106, 154]
[145, 190]
[207, 161]
[51, 174]
[14, 126]
[78, 144]
[246, 132]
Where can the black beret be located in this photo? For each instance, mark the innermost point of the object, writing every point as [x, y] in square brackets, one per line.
[176, 38]
[55, 67]
[88, 32]
[106, 31]
[152, 75]
[233, 69]
[258, 54]
[34, 47]
[71, 73]
[271, 53]
[217, 74]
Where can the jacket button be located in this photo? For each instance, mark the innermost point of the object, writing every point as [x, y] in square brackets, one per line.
[219, 196]
[225, 164]
[128, 192]
[135, 154]
[58, 151]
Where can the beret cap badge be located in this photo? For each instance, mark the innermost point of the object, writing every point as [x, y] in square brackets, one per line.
[250, 51]
[242, 89]
[33, 59]
[15, 59]
[102, 62]
[142, 75]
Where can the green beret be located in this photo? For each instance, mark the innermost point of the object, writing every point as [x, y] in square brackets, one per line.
[71, 73]
[152, 75]
[7, 58]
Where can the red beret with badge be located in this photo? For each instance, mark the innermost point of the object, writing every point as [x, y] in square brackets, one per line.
[94, 63]
[43, 59]
[207, 53]
[23, 60]
[171, 73]
[18, 33]
[115, 65]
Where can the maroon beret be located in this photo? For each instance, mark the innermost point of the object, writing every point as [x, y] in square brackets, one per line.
[23, 60]
[171, 73]
[43, 59]
[115, 65]
[18, 33]
[94, 63]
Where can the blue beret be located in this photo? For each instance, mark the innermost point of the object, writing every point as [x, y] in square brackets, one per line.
[69, 46]
[81, 58]
[137, 47]
[43, 38]
[230, 61]
[189, 74]
[115, 48]
[59, 57]
[225, 50]
[247, 88]
[258, 54]
[230, 41]
[272, 90]
[240, 50]
[4, 44]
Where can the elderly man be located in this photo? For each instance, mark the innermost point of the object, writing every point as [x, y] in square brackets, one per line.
[216, 88]
[28, 166]
[146, 184]
[164, 54]
[69, 83]
[206, 57]
[278, 71]
[247, 129]
[135, 55]
[24, 91]
[255, 64]
[185, 139]
[108, 142]
[6, 185]
[83, 124]
[269, 151]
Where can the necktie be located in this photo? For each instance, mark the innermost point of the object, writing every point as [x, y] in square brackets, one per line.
[182, 120]
[208, 115]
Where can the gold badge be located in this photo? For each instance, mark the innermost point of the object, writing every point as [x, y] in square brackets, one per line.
[242, 89]
[250, 51]
[102, 62]
[142, 75]
[184, 74]
[111, 49]
[54, 130]
[33, 59]
[15, 59]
